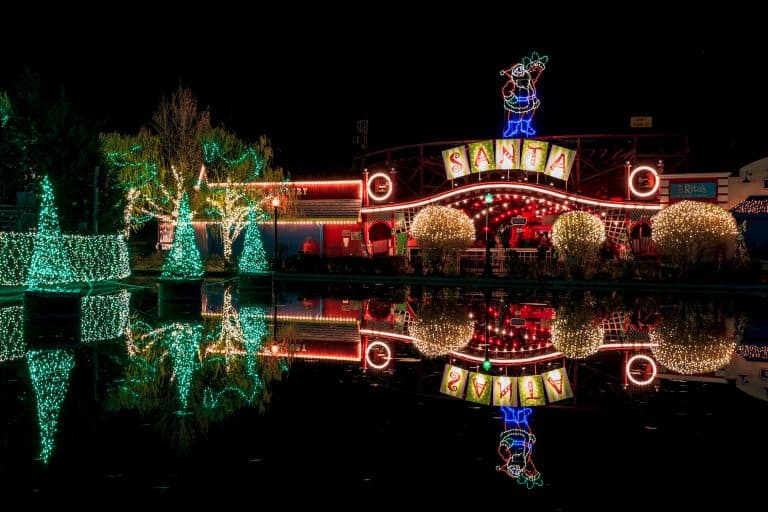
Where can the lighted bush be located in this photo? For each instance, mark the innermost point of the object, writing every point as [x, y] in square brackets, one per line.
[691, 232]
[577, 236]
[442, 231]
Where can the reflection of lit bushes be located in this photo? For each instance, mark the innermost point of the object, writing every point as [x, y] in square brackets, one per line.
[575, 333]
[686, 347]
[436, 333]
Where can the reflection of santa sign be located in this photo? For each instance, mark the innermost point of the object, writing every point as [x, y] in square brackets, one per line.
[644, 181]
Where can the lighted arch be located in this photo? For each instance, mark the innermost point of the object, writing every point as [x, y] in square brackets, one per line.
[511, 188]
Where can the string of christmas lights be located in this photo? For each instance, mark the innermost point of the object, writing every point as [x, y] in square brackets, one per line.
[754, 352]
[212, 153]
[92, 258]
[12, 344]
[104, 317]
[49, 371]
[183, 261]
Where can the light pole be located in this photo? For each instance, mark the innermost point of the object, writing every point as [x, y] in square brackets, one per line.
[275, 206]
[487, 266]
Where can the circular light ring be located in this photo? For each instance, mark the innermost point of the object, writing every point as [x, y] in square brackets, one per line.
[634, 173]
[643, 358]
[368, 355]
[372, 195]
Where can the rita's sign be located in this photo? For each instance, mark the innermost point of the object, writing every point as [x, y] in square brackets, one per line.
[693, 190]
[509, 155]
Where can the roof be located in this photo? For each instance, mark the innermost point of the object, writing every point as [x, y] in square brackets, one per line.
[333, 209]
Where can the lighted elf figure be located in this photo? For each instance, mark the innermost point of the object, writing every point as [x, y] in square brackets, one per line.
[520, 100]
[516, 447]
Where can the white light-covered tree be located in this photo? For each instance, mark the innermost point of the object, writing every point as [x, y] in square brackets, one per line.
[690, 232]
[441, 232]
[577, 236]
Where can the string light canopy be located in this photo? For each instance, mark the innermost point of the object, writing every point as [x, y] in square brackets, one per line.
[183, 262]
[51, 267]
[437, 333]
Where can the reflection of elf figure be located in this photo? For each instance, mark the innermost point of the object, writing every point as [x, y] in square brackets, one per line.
[519, 94]
[516, 447]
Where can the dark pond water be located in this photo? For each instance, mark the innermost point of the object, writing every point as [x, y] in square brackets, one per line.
[325, 396]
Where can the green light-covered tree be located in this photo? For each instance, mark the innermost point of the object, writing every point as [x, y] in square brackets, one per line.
[51, 267]
[253, 259]
[183, 261]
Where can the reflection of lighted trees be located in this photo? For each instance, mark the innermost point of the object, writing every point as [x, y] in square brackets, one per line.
[49, 371]
[441, 327]
[576, 332]
[694, 338]
[205, 370]
[236, 371]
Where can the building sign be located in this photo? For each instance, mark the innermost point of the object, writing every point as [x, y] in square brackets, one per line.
[693, 190]
[479, 388]
[481, 156]
[454, 381]
[531, 388]
[560, 162]
[557, 385]
[641, 122]
[534, 156]
[508, 155]
[504, 391]
[456, 162]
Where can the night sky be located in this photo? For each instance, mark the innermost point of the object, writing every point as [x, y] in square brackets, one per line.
[305, 86]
